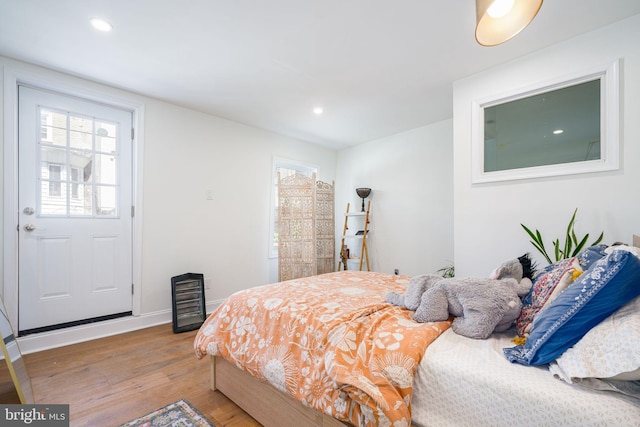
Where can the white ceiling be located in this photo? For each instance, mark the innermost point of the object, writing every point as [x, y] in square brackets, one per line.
[377, 67]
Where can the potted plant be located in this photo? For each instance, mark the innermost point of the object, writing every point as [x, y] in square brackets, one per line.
[572, 244]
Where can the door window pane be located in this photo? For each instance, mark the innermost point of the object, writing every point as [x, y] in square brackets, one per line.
[75, 187]
[53, 203]
[53, 127]
[106, 137]
[105, 169]
[45, 127]
[105, 200]
[83, 205]
[54, 181]
[79, 165]
[80, 132]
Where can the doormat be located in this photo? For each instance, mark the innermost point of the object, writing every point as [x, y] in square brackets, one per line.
[179, 413]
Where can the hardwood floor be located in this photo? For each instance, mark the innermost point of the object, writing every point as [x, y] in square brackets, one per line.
[112, 380]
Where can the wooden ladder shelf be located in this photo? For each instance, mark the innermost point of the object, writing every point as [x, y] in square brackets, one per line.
[345, 255]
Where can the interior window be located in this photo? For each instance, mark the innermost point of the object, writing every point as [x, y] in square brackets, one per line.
[558, 127]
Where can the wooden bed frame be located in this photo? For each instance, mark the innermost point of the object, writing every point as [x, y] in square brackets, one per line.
[268, 405]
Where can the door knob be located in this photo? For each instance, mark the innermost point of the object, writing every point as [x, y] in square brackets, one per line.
[29, 227]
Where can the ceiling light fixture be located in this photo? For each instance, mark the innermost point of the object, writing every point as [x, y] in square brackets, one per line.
[317, 111]
[100, 24]
[499, 20]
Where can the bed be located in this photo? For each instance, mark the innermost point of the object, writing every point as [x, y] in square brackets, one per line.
[329, 351]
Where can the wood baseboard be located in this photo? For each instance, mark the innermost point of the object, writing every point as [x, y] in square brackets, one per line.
[91, 331]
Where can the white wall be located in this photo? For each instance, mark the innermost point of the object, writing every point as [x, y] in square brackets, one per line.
[411, 178]
[189, 153]
[186, 154]
[487, 217]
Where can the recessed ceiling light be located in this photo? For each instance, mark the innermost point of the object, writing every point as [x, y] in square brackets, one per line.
[557, 131]
[317, 111]
[101, 25]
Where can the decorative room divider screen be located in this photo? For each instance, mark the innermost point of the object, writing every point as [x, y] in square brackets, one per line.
[306, 231]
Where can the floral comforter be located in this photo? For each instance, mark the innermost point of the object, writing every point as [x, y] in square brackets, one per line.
[330, 341]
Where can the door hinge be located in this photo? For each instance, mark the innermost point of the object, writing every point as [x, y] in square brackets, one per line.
[132, 134]
[132, 289]
[133, 211]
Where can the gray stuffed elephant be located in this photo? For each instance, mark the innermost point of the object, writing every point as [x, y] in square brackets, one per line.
[480, 306]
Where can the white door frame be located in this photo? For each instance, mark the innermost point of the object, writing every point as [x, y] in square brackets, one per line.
[73, 87]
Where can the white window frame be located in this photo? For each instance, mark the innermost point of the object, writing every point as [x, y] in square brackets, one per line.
[609, 117]
[281, 163]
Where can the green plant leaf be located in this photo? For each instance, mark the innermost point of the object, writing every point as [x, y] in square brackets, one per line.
[530, 233]
[599, 239]
[537, 242]
[567, 241]
[557, 252]
[580, 245]
[572, 243]
[540, 240]
[539, 248]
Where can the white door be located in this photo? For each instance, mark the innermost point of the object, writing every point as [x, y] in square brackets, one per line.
[75, 209]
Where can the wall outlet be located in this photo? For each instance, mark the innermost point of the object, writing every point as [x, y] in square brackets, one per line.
[396, 271]
[207, 284]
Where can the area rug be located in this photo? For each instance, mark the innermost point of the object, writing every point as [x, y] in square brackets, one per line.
[176, 414]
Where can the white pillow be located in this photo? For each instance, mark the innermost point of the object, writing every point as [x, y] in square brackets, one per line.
[609, 350]
[632, 249]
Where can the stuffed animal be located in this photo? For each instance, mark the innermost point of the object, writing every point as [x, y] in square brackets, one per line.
[480, 305]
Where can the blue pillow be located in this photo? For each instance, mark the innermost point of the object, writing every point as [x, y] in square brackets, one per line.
[607, 285]
[590, 255]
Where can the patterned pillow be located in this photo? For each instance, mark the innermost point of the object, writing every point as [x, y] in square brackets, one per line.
[546, 287]
[606, 286]
[609, 350]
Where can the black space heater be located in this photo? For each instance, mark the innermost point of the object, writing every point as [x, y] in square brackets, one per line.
[189, 307]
